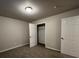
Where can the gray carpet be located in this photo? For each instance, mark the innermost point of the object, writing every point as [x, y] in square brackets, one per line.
[35, 52]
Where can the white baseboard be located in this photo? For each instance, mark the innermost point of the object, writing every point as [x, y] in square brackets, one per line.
[52, 48]
[13, 47]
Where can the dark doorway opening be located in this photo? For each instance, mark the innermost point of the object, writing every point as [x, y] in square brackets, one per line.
[41, 34]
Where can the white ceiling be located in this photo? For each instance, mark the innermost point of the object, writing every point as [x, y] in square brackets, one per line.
[41, 8]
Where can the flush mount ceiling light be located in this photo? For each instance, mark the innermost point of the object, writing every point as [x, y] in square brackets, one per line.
[28, 9]
[55, 7]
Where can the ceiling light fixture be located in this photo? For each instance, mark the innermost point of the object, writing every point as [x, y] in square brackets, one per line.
[55, 7]
[28, 9]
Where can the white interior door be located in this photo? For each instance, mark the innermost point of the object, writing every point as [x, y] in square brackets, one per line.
[70, 34]
[33, 34]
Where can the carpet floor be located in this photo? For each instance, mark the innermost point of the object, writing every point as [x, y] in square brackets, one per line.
[35, 52]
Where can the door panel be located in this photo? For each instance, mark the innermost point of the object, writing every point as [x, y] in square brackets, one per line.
[33, 34]
[70, 33]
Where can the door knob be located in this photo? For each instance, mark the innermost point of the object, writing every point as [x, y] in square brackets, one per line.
[62, 38]
[29, 36]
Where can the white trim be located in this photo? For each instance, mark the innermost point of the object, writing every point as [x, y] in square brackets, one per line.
[13, 47]
[52, 48]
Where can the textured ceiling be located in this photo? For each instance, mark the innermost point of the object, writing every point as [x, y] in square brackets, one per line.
[41, 8]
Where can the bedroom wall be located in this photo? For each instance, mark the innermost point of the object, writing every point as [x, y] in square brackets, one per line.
[13, 33]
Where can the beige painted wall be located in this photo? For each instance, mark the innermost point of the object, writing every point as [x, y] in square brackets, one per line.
[13, 33]
[53, 28]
